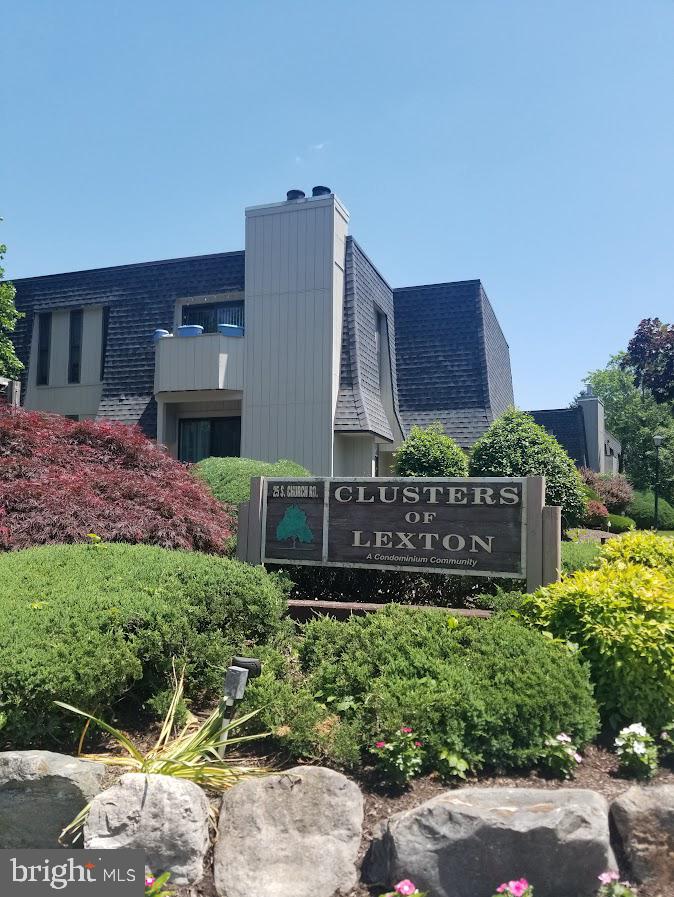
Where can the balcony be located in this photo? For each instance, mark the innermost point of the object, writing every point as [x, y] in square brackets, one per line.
[207, 361]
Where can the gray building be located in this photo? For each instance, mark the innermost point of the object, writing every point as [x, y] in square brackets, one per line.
[582, 432]
[296, 347]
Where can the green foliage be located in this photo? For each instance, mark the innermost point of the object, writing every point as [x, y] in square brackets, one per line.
[637, 752]
[488, 690]
[642, 511]
[92, 625]
[560, 757]
[579, 555]
[429, 452]
[400, 757]
[621, 616]
[229, 478]
[620, 524]
[10, 366]
[515, 445]
[648, 549]
[635, 417]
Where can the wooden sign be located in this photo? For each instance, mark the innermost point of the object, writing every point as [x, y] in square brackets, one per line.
[489, 526]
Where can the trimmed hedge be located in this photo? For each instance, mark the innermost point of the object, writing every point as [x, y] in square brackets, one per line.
[642, 510]
[491, 690]
[229, 478]
[92, 625]
[429, 452]
[620, 524]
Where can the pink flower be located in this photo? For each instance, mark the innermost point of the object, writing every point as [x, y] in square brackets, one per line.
[380, 744]
[502, 888]
[406, 887]
[406, 730]
[518, 888]
[418, 743]
[607, 877]
[150, 879]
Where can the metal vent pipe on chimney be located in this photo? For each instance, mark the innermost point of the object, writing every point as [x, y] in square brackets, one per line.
[295, 194]
[321, 191]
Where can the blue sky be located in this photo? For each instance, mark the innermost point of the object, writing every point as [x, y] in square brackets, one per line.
[528, 144]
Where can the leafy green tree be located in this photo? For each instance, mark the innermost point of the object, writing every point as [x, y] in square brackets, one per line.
[10, 366]
[429, 452]
[634, 416]
[516, 446]
[293, 525]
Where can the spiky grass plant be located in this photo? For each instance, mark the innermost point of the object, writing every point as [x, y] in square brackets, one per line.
[192, 754]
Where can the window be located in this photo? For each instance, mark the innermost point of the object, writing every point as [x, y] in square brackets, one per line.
[381, 345]
[209, 316]
[75, 346]
[43, 348]
[206, 437]
[104, 338]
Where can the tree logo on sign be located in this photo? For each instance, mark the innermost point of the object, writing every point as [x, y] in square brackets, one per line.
[293, 525]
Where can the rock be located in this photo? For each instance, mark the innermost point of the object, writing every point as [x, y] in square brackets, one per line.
[42, 792]
[464, 843]
[644, 820]
[295, 834]
[165, 816]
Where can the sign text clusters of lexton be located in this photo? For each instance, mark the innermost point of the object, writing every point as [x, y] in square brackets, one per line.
[466, 526]
[471, 526]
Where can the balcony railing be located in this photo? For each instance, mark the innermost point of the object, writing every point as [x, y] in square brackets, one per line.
[208, 361]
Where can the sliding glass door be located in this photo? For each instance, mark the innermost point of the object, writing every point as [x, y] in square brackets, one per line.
[206, 437]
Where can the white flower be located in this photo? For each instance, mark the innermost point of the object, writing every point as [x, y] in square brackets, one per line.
[638, 748]
[563, 738]
[637, 728]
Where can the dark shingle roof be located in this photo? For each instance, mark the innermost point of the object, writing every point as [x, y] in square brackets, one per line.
[141, 298]
[568, 428]
[453, 360]
[359, 403]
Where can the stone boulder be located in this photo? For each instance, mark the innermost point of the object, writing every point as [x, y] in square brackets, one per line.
[295, 834]
[644, 820]
[164, 816]
[42, 792]
[464, 843]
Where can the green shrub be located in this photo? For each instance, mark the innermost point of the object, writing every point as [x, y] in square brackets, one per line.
[429, 452]
[640, 548]
[516, 446]
[620, 524]
[90, 625]
[621, 616]
[579, 555]
[642, 510]
[229, 478]
[488, 690]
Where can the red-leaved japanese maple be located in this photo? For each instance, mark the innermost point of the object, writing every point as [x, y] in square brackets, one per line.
[61, 480]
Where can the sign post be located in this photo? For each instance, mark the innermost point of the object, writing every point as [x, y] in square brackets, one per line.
[470, 526]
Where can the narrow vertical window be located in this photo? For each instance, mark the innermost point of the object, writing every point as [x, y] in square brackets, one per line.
[381, 346]
[104, 338]
[43, 348]
[75, 347]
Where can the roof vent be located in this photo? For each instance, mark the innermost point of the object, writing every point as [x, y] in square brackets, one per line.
[321, 191]
[295, 194]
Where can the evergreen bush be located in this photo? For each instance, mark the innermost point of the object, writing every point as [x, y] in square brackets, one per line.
[642, 510]
[229, 478]
[488, 690]
[620, 524]
[94, 624]
[515, 446]
[429, 452]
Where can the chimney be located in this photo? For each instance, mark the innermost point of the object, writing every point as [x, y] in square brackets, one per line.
[321, 191]
[293, 195]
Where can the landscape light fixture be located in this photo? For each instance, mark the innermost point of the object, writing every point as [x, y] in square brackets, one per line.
[658, 440]
[238, 673]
